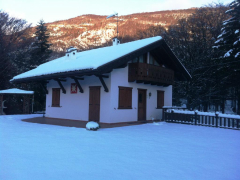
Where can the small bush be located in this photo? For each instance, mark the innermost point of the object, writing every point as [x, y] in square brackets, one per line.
[92, 126]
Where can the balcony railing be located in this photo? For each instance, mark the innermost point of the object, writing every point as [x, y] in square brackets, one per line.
[147, 73]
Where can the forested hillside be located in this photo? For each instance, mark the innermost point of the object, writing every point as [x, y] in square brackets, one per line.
[89, 31]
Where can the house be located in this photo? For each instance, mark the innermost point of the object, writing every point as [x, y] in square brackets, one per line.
[121, 83]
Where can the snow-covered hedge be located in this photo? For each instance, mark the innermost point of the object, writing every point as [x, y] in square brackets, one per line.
[93, 126]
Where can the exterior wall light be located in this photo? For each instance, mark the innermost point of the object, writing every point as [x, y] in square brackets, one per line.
[150, 94]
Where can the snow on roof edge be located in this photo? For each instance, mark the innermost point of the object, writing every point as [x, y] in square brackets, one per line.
[15, 91]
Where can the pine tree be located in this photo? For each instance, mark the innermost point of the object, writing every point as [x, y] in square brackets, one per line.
[228, 48]
[228, 41]
[236, 26]
[41, 52]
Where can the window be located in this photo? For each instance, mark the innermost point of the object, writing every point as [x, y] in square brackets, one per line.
[156, 63]
[153, 61]
[160, 99]
[140, 59]
[135, 60]
[55, 97]
[125, 98]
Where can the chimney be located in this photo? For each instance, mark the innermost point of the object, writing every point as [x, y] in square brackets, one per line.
[71, 52]
[115, 41]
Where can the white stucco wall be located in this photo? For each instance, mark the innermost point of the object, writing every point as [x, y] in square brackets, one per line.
[76, 106]
[119, 77]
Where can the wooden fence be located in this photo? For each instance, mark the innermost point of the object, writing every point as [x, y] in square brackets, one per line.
[196, 118]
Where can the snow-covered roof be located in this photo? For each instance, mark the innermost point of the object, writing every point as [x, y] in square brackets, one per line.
[91, 59]
[15, 91]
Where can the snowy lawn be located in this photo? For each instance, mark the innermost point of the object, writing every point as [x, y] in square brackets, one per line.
[150, 151]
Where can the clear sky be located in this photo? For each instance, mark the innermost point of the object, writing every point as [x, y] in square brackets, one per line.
[53, 10]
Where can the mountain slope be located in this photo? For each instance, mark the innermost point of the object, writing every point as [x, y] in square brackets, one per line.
[88, 31]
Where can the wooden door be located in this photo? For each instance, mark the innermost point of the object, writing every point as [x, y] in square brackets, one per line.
[94, 103]
[141, 104]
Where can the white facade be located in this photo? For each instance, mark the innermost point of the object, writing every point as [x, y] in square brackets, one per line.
[76, 106]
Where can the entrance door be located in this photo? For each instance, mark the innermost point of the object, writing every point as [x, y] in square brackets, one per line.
[94, 103]
[141, 104]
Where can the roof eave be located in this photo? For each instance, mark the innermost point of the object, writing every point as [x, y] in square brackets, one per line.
[87, 72]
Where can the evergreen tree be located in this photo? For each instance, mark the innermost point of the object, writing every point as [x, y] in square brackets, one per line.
[236, 25]
[40, 53]
[228, 48]
[41, 48]
[228, 41]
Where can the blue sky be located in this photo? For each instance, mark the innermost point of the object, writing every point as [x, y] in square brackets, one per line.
[53, 10]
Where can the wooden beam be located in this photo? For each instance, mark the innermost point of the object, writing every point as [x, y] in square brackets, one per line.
[153, 83]
[44, 87]
[78, 84]
[61, 86]
[63, 80]
[104, 76]
[139, 81]
[146, 82]
[122, 66]
[103, 83]
[79, 78]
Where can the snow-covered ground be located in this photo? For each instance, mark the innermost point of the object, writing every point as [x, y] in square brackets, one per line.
[149, 151]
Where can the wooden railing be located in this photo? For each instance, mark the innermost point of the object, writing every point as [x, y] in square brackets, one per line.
[148, 73]
[201, 118]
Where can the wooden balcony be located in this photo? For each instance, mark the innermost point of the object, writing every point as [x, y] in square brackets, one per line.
[150, 74]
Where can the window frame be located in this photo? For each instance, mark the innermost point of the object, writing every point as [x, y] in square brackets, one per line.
[57, 103]
[126, 102]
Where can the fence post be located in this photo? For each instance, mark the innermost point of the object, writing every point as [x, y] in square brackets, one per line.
[172, 115]
[163, 114]
[195, 113]
[1, 104]
[217, 114]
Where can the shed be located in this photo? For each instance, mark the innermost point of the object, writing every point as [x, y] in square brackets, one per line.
[26, 98]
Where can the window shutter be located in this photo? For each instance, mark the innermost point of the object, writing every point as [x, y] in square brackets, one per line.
[56, 97]
[121, 98]
[125, 98]
[129, 98]
[53, 97]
